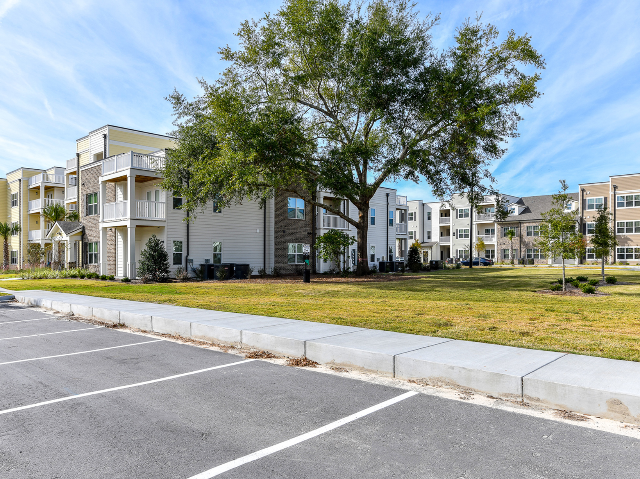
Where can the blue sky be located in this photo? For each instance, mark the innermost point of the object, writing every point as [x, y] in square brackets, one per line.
[73, 66]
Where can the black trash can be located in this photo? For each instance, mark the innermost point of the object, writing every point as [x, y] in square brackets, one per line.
[306, 276]
[204, 271]
[241, 271]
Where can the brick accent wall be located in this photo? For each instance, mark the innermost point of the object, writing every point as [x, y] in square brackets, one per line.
[521, 242]
[287, 231]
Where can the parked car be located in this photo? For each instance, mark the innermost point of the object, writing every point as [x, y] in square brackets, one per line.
[478, 262]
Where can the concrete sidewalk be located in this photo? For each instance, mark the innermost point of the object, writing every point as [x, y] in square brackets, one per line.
[589, 385]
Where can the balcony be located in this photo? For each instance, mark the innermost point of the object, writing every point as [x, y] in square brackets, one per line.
[56, 180]
[401, 200]
[333, 222]
[71, 164]
[36, 205]
[487, 238]
[130, 159]
[35, 235]
[72, 193]
[445, 239]
[445, 220]
[145, 210]
[485, 217]
[401, 228]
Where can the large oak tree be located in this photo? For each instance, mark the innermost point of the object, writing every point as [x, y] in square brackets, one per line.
[341, 97]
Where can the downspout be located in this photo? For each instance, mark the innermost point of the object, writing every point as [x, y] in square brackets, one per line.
[471, 235]
[387, 223]
[264, 235]
[104, 146]
[615, 225]
[186, 259]
[314, 232]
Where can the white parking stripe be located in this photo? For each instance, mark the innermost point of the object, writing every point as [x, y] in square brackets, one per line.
[297, 440]
[46, 334]
[22, 321]
[118, 388]
[79, 352]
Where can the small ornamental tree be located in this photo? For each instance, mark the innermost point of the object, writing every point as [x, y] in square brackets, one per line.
[413, 258]
[332, 244]
[510, 234]
[480, 247]
[559, 235]
[154, 261]
[604, 237]
[35, 254]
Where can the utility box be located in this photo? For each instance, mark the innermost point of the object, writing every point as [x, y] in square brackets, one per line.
[228, 271]
[241, 271]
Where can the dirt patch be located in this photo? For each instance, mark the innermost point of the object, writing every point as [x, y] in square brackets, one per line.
[260, 355]
[571, 292]
[338, 369]
[302, 363]
[572, 416]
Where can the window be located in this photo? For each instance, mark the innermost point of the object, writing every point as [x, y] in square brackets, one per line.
[591, 228]
[411, 215]
[463, 254]
[511, 210]
[14, 257]
[428, 234]
[627, 201]
[590, 253]
[489, 231]
[623, 227]
[372, 254]
[92, 204]
[628, 253]
[568, 206]
[595, 203]
[412, 235]
[428, 215]
[372, 214]
[463, 213]
[177, 253]
[92, 249]
[505, 253]
[177, 202]
[533, 230]
[14, 226]
[390, 218]
[294, 254]
[14, 199]
[217, 252]
[390, 257]
[490, 253]
[295, 209]
[509, 228]
[216, 206]
[534, 253]
[463, 233]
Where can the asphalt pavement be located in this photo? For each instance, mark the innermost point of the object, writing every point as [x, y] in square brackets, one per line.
[83, 401]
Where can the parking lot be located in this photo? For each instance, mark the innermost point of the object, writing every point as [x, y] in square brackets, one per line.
[80, 400]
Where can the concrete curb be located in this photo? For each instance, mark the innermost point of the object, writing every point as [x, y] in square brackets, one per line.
[590, 385]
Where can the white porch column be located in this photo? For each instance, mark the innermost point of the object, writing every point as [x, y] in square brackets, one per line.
[102, 199]
[42, 220]
[131, 249]
[131, 194]
[103, 250]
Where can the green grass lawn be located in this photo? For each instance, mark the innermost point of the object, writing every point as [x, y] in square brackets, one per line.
[493, 305]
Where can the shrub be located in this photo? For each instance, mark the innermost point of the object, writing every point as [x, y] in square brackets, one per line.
[262, 272]
[181, 274]
[413, 258]
[221, 274]
[575, 283]
[103, 277]
[611, 280]
[569, 279]
[458, 266]
[588, 289]
[373, 269]
[125, 280]
[82, 275]
[593, 282]
[531, 261]
[276, 272]
[582, 278]
[154, 262]
[249, 272]
[111, 277]
[556, 287]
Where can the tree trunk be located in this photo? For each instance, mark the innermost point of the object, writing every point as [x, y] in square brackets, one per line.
[603, 268]
[362, 267]
[564, 283]
[5, 251]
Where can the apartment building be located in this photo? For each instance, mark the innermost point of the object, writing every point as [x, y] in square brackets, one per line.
[621, 194]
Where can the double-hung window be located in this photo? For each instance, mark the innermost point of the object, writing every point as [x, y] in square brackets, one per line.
[372, 215]
[627, 201]
[623, 227]
[506, 229]
[372, 254]
[412, 235]
[14, 257]
[92, 204]
[533, 230]
[463, 233]
[628, 253]
[411, 216]
[428, 215]
[490, 253]
[595, 203]
[217, 252]
[428, 235]
[534, 253]
[489, 231]
[591, 253]
[295, 254]
[177, 253]
[92, 252]
[505, 253]
[390, 218]
[463, 213]
[177, 201]
[14, 228]
[463, 253]
[14, 199]
[295, 209]
[591, 228]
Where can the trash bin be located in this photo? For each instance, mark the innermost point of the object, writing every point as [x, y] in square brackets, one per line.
[204, 270]
[306, 276]
[435, 264]
[241, 271]
[221, 267]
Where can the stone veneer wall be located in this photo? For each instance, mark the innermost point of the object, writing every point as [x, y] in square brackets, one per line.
[289, 231]
[521, 242]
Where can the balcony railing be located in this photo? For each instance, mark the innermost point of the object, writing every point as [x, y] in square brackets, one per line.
[487, 238]
[35, 205]
[146, 210]
[130, 159]
[401, 228]
[35, 235]
[401, 200]
[445, 220]
[333, 222]
[46, 178]
[485, 216]
[71, 164]
[72, 192]
[445, 239]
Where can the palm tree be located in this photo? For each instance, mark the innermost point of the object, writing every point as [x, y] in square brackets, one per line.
[7, 230]
[73, 216]
[510, 234]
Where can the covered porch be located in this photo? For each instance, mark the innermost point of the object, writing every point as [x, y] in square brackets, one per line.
[66, 241]
[121, 255]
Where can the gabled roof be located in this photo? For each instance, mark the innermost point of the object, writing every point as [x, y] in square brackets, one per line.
[534, 206]
[67, 228]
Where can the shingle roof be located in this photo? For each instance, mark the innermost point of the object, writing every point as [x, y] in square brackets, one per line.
[534, 206]
[69, 226]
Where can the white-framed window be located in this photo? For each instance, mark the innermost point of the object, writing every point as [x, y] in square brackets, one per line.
[534, 253]
[568, 206]
[505, 229]
[295, 209]
[591, 228]
[411, 216]
[390, 218]
[372, 215]
[217, 252]
[412, 235]
[14, 200]
[627, 253]
[505, 253]
[93, 252]
[390, 257]
[428, 235]
[14, 257]
[463, 233]
[595, 203]
[462, 213]
[294, 253]
[372, 253]
[489, 231]
[428, 215]
[627, 201]
[511, 210]
[177, 253]
[14, 226]
[623, 227]
[177, 202]
[591, 253]
[490, 253]
[533, 230]
[92, 204]
[216, 206]
[463, 253]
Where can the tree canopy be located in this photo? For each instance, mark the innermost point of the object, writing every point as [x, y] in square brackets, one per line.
[342, 97]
